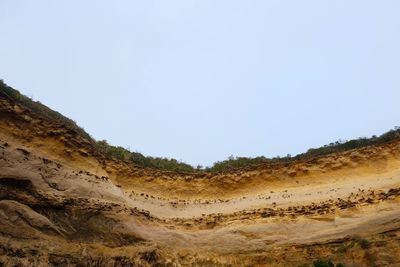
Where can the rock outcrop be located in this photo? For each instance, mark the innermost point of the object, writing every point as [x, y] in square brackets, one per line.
[64, 204]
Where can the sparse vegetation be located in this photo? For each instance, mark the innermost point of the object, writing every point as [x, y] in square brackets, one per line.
[339, 146]
[236, 163]
[139, 160]
[166, 164]
[39, 108]
[102, 146]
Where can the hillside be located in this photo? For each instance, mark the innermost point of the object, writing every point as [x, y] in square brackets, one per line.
[69, 200]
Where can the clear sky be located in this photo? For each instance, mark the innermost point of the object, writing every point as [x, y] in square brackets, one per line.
[201, 80]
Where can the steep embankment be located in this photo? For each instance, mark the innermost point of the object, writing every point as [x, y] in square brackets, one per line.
[61, 203]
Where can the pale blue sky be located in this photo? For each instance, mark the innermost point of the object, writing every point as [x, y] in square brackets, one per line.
[201, 80]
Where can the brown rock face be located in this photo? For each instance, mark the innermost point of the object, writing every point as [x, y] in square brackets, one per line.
[63, 204]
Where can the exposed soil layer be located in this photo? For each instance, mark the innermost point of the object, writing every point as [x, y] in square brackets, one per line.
[63, 204]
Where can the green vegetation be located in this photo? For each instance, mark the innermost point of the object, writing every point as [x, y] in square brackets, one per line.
[139, 160]
[233, 163]
[102, 147]
[39, 108]
[236, 163]
[339, 146]
[166, 164]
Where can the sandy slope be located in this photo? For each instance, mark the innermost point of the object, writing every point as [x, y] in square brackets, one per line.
[298, 195]
[89, 210]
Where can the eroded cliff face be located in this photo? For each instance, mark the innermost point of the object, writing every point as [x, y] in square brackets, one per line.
[63, 204]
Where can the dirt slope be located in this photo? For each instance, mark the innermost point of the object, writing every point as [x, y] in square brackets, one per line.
[63, 204]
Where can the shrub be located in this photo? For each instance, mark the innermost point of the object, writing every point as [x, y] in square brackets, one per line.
[101, 146]
[42, 110]
[137, 159]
